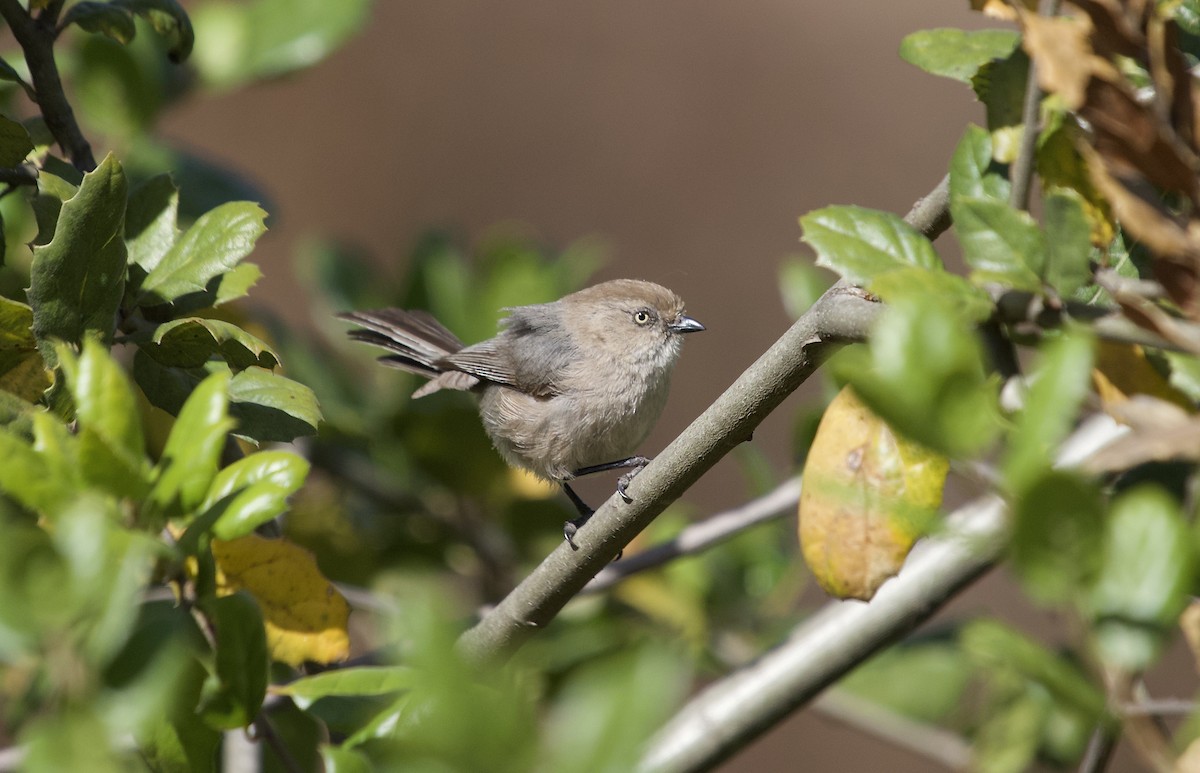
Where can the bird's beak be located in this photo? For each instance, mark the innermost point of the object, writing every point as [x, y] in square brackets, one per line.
[685, 324]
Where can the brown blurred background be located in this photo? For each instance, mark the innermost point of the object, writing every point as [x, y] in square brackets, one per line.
[687, 136]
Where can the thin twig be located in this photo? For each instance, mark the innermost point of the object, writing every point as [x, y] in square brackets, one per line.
[36, 38]
[842, 314]
[1099, 750]
[1022, 169]
[941, 746]
[23, 174]
[702, 535]
[730, 713]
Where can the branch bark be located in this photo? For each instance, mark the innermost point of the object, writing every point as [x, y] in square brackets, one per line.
[843, 314]
[843, 634]
[36, 37]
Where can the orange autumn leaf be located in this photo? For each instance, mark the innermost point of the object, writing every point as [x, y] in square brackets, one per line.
[868, 495]
[305, 615]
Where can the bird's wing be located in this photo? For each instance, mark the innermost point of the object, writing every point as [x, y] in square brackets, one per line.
[532, 354]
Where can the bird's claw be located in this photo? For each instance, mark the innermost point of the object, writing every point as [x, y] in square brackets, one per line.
[624, 481]
[571, 528]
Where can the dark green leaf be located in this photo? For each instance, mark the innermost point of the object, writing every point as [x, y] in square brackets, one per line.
[105, 18]
[121, 89]
[213, 245]
[1000, 243]
[168, 19]
[913, 283]
[165, 388]
[1145, 578]
[1068, 242]
[973, 171]
[193, 341]
[15, 144]
[150, 229]
[1057, 388]
[861, 243]
[269, 407]
[1000, 86]
[954, 53]
[1058, 536]
[233, 698]
[76, 280]
[193, 449]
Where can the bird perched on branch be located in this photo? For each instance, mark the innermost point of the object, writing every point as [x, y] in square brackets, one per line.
[565, 389]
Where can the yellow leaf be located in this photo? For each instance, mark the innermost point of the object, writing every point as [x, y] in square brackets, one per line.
[1001, 9]
[868, 495]
[306, 617]
[1122, 370]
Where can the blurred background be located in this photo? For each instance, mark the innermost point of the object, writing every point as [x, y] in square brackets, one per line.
[677, 142]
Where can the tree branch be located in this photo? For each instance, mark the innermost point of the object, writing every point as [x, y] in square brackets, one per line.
[843, 314]
[36, 38]
[843, 634]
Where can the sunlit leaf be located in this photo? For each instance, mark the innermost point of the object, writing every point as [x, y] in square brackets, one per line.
[862, 243]
[955, 53]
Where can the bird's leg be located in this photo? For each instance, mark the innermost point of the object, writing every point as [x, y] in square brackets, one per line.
[634, 464]
[585, 512]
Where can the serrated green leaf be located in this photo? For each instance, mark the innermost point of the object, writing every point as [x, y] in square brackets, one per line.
[1145, 578]
[169, 20]
[973, 171]
[913, 283]
[1000, 243]
[213, 245]
[861, 243]
[150, 229]
[192, 453]
[105, 18]
[347, 682]
[1068, 241]
[1057, 387]
[271, 408]
[258, 486]
[1058, 536]
[15, 144]
[193, 341]
[77, 279]
[954, 53]
[235, 694]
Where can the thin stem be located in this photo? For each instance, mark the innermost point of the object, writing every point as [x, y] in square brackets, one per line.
[1099, 749]
[36, 37]
[1022, 169]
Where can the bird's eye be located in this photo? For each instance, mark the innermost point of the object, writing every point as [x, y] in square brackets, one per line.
[642, 317]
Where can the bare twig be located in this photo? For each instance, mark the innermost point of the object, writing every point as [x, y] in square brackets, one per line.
[843, 634]
[941, 746]
[1022, 169]
[1099, 749]
[843, 314]
[36, 38]
[702, 535]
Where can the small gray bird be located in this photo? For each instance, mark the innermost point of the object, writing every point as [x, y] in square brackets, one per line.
[567, 388]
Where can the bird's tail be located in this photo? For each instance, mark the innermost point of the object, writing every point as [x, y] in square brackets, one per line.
[418, 344]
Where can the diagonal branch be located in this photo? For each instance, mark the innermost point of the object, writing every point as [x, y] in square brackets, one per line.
[36, 37]
[843, 314]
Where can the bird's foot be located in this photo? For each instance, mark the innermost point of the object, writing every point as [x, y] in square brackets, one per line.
[624, 481]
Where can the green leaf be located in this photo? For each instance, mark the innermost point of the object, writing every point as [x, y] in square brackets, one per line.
[105, 18]
[973, 171]
[111, 443]
[954, 53]
[74, 739]
[169, 20]
[800, 284]
[1000, 86]
[1058, 536]
[165, 388]
[1000, 243]
[912, 283]
[150, 229]
[995, 645]
[27, 477]
[1068, 241]
[235, 284]
[213, 245]
[1057, 388]
[193, 341]
[271, 408]
[15, 144]
[923, 372]
[861, 243]
[22, 369]
[924, 681]
[339, 760]
[348, 682]
[232, 699]
[193, 449]
[1145, 578]
[76, 280]
[258, 487]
